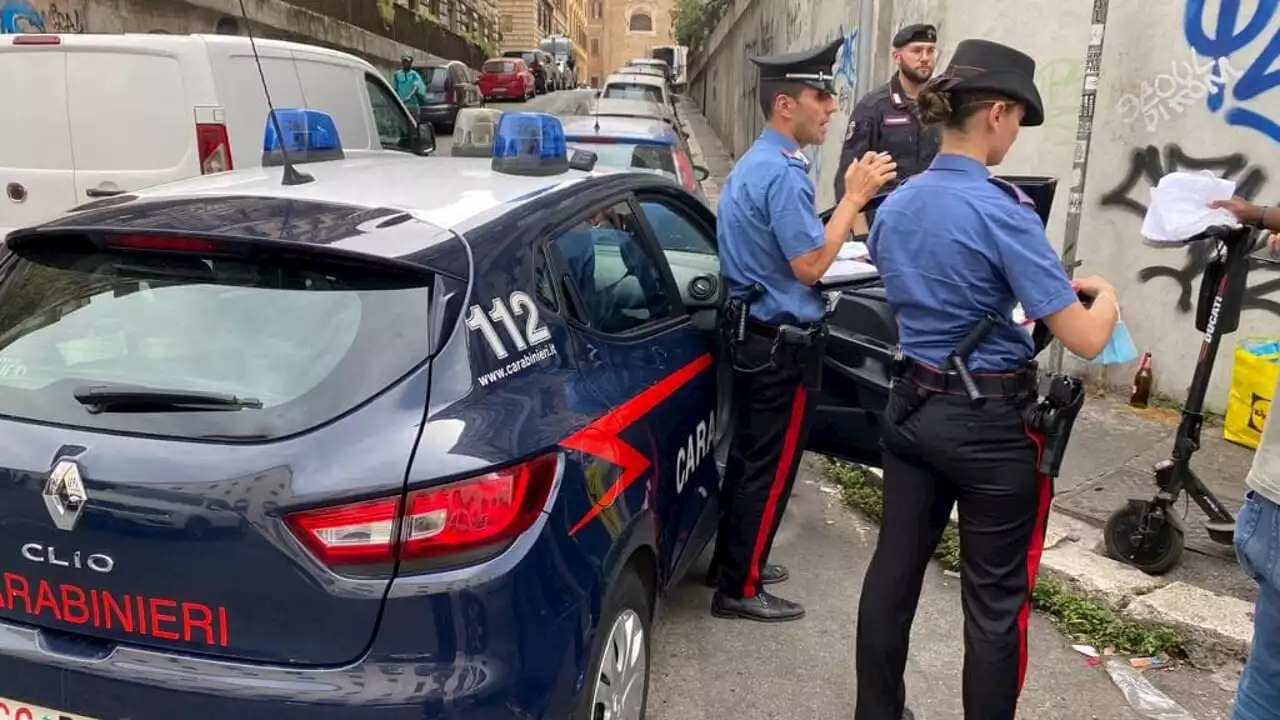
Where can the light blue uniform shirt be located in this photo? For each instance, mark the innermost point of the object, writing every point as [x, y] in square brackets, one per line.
[952, 244]
[766, 217]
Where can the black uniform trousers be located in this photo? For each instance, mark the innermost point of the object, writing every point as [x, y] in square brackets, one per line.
[984, 459]
[770, 426]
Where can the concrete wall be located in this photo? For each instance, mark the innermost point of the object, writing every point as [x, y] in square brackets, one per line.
[1157, 109]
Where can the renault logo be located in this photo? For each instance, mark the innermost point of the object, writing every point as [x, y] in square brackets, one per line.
[64, 494]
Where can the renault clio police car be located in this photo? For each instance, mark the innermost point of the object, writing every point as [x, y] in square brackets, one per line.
[464, 414]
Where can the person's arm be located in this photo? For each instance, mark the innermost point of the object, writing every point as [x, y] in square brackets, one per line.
[1266, 217]
[1035, 274]
[857, 140]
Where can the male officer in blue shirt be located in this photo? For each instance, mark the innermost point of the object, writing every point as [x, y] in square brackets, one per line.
[773, 250]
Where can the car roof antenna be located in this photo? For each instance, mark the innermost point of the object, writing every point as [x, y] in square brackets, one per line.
[292, 176]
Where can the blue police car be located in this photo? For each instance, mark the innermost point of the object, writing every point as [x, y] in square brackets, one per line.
[394, 438]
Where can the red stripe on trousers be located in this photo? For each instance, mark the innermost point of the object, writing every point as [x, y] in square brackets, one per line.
[1033, 556]
[791, 439]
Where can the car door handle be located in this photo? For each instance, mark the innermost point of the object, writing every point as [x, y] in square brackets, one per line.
[98, 193]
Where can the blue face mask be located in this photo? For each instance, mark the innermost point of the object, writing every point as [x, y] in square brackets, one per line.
[1120, 348]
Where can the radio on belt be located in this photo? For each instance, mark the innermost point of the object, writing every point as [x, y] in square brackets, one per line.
[533, 144]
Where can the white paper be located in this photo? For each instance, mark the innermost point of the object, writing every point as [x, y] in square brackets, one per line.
[849, 270]
[854, 251]
[1179, 207]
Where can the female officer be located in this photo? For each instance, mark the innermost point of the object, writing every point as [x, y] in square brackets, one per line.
[955, 245]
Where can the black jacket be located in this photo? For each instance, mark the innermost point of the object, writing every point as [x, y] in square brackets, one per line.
[885, 120]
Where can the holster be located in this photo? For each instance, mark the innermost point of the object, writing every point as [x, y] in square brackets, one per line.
[1053, 416]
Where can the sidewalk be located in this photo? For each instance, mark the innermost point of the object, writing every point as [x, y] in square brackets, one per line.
[705, 148]
[1113, 448]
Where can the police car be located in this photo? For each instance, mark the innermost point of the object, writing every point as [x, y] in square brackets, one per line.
[465, 412]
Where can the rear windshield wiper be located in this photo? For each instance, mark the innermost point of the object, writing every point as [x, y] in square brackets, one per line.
[133, 398]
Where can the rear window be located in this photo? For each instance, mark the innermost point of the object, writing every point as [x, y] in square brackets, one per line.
[434, 76]
[633, 91]
[626, 155]
[309, 340]
[499, 66]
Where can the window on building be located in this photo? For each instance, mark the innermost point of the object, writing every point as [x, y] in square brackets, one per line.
[507, 22]
[595, 47]
[641, 22]
[597, 9]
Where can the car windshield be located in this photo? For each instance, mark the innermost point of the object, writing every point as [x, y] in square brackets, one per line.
[499, 66]
[633, 91]
[434, 76]
[309, 341]
[629, 155]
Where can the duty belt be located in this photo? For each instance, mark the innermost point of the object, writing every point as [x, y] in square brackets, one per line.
[1019, 383]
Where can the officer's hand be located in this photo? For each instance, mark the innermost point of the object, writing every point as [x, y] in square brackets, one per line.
[863, 179]
[1245, 211]
[1092, 286]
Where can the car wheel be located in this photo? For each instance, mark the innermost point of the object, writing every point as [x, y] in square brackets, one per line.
[617, 685]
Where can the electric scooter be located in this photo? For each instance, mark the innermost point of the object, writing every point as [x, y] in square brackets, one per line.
[1149, 534]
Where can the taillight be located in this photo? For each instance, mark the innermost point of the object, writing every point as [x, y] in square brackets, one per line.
[162, 243]
[24, 39]
[214, 147]
[684, 170]
[473, 514]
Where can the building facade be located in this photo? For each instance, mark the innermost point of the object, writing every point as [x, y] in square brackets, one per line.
[621, 30]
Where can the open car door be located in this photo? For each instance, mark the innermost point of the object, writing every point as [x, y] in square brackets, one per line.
[864, 334]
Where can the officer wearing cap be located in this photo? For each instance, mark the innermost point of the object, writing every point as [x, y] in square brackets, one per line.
[773, 250]
[885, 120]
[957, 249]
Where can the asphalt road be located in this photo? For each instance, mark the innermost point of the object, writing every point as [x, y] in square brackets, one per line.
[564, 102]
[705, 668]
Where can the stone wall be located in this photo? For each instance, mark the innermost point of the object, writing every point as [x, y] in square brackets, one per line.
[354, 26]
[1160, 105]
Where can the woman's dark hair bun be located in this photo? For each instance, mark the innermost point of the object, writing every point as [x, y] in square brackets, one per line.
[934, 104]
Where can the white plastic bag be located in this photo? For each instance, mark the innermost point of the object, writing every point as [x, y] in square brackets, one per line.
[1144, 697]
[1179, 207]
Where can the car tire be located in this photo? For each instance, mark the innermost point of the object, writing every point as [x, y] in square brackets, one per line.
[627, 619]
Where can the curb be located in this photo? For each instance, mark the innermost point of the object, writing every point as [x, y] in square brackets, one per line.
[1218, 629]
[710, 187]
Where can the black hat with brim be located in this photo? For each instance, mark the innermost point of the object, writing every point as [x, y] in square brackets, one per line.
[811, 67]
[985, 66]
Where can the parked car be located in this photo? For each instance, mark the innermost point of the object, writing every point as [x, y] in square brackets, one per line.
[642, 70]
[449, 89]
[546, 73]
[103, 115]
[645, 109]
[636, 143]
[506, 79]
[652, 64]
[634, 86]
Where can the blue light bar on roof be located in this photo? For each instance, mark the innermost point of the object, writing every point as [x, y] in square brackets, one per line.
[307, 135]
[529, 143]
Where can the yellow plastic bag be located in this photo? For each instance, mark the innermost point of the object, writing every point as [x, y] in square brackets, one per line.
[1253, 380]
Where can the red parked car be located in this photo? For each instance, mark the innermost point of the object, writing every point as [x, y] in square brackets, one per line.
[506, 79]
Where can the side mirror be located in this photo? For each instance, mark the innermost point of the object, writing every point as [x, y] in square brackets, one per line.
[700, 173]
[426, 139]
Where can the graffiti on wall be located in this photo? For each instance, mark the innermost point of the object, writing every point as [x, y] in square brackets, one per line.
[1149, 164]
[1060, 81]
[1214, 30]
[1188, 83]
[24, 16]
[759, 43]
[846, 70]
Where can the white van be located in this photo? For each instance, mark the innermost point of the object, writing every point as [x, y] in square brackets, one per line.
[91, 116]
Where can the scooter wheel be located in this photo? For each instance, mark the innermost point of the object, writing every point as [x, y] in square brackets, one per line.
[1162, 549]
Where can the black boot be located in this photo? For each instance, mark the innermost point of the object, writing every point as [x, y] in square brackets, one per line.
[761, 608]
[772, 575]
